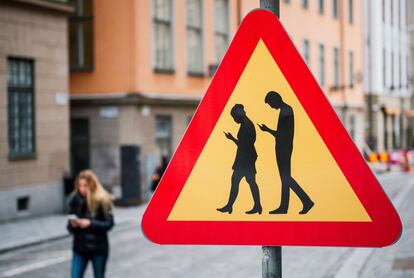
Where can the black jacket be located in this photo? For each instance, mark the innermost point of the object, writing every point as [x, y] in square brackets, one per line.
[94, 239]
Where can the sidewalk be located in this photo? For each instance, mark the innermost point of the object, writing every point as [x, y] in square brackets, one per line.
[31, 231]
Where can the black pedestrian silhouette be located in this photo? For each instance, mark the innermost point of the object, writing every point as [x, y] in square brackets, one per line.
[284, 147]
[244, 163]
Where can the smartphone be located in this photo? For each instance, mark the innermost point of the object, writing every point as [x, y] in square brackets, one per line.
[72, 217]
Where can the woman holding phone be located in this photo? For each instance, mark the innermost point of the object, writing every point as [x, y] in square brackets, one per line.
[90, 219]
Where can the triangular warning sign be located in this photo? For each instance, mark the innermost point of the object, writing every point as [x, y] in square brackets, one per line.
[266, 161]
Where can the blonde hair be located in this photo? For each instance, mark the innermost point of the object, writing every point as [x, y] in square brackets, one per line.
[96, 194]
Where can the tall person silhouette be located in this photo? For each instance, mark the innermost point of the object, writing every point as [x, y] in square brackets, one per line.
[284, 147]
[244, 165]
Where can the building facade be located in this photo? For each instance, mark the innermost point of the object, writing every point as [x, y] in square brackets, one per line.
[410, 115]
[34, 107]
[329, 36]
[139, 69]
[387, 74]
[140, 76]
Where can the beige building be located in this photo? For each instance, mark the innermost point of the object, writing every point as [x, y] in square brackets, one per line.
[139, 69]
[34, 109]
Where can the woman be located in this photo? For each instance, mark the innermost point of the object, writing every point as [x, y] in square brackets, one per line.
[90, 220]
[245, 162]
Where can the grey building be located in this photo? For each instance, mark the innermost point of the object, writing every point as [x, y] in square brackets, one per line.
[387, 74]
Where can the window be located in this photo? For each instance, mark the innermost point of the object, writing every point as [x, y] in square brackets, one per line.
[336, 67]
[20, 107]
[392, 70]
[163, 35]
[399, 19]
[163, 136]
[194, 37]
[305, 52]
[400, 72]
[221, 29]
[305, 4]
[352, 126]
[351, 69]
[23, 203]
[286, 1]
[392, 12]
[383, 10]
[335, 8]
[384, 68]
[321, 6]
[408, 7]
[407, 74]
[322, 65]
[81, 36]
[350, 11]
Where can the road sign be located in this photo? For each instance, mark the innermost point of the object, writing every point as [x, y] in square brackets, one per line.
[266, 161]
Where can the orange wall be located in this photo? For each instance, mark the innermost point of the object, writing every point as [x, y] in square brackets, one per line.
[179, 82]
[124, 50]
[114, 69]
[124, 46]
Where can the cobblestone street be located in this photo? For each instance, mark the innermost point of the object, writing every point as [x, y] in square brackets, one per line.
[134, 256]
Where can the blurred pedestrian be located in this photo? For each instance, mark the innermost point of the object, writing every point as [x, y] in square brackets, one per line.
[90, 219]
[159, 171]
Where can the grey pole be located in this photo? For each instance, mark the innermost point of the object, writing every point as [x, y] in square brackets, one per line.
[272, 255]
[271, 5]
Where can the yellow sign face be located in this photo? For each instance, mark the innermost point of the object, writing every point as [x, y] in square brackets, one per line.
[312, 165]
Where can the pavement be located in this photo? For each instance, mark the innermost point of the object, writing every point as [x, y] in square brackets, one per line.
[26, 232]
[134, 256]
[30, 231]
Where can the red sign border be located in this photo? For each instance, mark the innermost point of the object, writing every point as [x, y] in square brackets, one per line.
[385, 228]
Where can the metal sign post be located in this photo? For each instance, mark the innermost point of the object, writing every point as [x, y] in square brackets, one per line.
[272, 255]
[271, 5]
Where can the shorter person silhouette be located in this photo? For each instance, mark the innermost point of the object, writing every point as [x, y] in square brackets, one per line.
[284, 147]
[244, 163]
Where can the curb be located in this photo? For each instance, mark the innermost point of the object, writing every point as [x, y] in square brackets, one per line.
[32, 243]
[49, 239]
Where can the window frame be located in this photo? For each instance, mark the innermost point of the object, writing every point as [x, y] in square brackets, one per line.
[384, 68]
[392, 71]
[79, 19]
[351, 69]
[170, 23]
[200, 30]
[169, 119]
[225, 34]
[321, 7]
[336, 61]
[33, 153]
[350, 11]
[335, 9]
[306, 51]
[322, 63]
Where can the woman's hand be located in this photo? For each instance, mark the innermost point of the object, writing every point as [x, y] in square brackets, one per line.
[74, 223]
[83, 223]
